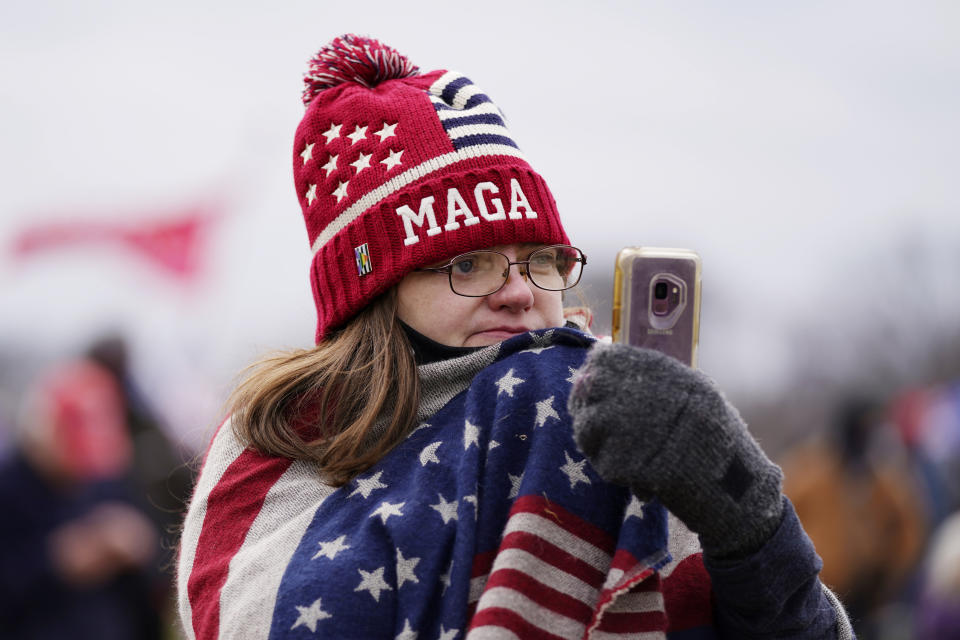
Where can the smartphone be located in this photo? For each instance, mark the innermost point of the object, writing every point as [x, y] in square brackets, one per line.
[656, 300]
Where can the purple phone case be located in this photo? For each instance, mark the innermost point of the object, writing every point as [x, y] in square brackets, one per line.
[676, 338]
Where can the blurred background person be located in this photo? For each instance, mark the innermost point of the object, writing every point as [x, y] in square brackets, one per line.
[938, 612]
[159, 473]
[76, 550]
[860, 502]
[928, 422]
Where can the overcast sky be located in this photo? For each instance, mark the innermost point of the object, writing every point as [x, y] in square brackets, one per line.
[784, 142]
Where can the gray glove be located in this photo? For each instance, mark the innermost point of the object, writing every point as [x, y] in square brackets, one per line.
[648, 422]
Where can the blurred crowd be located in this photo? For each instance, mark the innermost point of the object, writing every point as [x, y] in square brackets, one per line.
[92, 491]
[880, 497]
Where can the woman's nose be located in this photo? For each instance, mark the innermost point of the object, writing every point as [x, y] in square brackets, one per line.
[516, 294]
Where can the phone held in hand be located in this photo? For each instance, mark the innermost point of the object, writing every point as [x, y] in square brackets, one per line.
[656, 300]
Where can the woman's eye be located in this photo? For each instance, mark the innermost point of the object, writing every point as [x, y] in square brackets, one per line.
[463, 267]
[543, 260]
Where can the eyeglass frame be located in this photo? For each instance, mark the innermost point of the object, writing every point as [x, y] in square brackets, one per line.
[525, 274]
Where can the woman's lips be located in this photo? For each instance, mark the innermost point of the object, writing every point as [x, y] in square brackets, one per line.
[502, 332]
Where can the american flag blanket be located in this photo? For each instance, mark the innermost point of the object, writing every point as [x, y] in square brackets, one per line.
[485, 522]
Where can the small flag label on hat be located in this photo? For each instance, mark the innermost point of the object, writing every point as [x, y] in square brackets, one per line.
[362, 255]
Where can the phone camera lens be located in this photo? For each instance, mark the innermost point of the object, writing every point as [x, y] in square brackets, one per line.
[660, 291]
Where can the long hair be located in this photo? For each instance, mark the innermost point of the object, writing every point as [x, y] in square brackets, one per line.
[342, 404]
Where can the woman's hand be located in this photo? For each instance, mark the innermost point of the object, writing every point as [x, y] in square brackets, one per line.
[646, 421]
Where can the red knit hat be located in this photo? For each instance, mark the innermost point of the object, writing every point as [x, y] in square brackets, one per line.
[397, 169]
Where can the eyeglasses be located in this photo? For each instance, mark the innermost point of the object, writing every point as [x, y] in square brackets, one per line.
[481, 273]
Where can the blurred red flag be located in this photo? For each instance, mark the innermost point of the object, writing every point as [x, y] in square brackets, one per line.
[173, 241]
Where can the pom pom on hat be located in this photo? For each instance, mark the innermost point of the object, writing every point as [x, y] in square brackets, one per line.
[353, 58]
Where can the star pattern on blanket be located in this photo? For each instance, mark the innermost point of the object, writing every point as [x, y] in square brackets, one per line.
[445, 578]
[408, 633]
[447, 510]
[448, 634]
[574, 470]
[545, 411]
[507, 383]
[366, 486]
[429, 453]
[387, 509]
[470, 434]
[373, 582]
[515, 482]
[416, 504]
[472, 500]
[332, 548]
[635, 508]
[541, 342]
[310, 616]
[405, 569]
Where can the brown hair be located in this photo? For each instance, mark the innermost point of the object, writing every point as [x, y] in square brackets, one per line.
[342, 404]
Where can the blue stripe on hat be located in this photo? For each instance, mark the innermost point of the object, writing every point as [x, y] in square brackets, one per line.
[474, 100]
[450, 91]
[479, 118]
[482, 138]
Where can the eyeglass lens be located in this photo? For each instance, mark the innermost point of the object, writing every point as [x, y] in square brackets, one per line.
[482, 272]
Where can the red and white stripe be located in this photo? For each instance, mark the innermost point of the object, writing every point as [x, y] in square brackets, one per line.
[548, 579]
[247, 517]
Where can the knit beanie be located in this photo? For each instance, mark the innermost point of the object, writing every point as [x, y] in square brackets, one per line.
[397, 169]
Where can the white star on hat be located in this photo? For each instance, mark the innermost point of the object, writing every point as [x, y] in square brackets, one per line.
[341, 191]
[387, 131]
[393, 159]
[332, 133]
[311, 193]
[331, 166]
[362, 162]
[307, 152]
[359, 133]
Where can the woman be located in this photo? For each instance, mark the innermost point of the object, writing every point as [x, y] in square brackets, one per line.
[418, 474]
